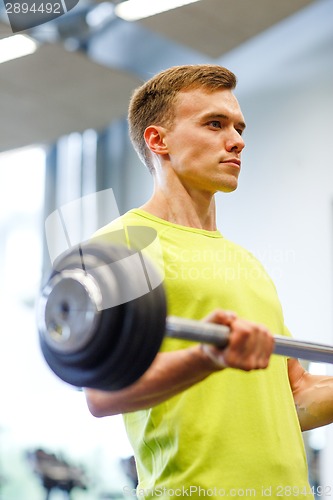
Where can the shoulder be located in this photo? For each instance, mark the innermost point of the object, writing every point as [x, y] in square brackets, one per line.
[133, 230]
[129, 218]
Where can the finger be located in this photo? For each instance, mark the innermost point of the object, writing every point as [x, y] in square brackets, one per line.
[221, 316]
[250, 346]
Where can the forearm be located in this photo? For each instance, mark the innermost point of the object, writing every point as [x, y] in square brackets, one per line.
[169, 374]
[249, 348]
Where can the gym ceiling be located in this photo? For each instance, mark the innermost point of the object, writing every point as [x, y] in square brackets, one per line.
[82, 75]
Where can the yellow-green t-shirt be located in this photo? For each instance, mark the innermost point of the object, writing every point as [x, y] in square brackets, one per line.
[235, 434]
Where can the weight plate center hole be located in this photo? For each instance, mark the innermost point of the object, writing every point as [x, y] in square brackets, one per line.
[59, 328]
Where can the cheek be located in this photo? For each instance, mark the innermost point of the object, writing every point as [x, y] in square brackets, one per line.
[189, 151]
[192, 158]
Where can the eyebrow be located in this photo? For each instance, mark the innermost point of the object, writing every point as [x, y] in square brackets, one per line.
[221, 116]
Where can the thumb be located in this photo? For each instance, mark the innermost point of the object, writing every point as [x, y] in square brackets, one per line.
[221, 317]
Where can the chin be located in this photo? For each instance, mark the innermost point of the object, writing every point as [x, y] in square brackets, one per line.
[227, 184]
[229, 188]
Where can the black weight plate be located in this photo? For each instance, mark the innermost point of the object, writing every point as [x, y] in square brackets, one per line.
[142, 335]
[150, 319]
[128, 336]
[74, 367]
[129, 360]
[95, 257]
[83, 375]
[144, 328]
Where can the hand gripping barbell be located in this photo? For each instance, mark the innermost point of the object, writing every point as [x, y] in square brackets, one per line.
[102, 317]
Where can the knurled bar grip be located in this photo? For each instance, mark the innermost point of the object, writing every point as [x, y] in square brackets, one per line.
[212, 333]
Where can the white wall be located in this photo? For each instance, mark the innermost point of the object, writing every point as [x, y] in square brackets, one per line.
[283, 209]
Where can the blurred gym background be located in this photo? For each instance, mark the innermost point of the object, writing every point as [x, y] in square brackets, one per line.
[63, 135]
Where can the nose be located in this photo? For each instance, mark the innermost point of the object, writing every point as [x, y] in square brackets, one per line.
[235, 142]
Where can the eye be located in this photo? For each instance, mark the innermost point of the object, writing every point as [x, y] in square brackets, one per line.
[215, 124]
[240, 131]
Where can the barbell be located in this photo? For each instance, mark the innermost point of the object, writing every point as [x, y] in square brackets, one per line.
[102, 317]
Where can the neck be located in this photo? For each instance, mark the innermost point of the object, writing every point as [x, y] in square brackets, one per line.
[171, 201]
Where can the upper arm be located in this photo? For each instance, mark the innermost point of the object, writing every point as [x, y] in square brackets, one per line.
[296, 373]
[313, 396]
[298, 379]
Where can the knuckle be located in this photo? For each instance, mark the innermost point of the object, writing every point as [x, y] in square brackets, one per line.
[264, 364]
[249, 365]
[232, 359]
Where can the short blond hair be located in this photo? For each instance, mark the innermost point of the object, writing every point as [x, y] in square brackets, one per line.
[153, 102]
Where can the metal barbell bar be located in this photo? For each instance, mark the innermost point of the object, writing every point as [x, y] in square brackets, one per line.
[218, 335]
[101, 326]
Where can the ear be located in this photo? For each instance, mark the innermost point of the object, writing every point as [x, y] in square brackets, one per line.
[154, 137]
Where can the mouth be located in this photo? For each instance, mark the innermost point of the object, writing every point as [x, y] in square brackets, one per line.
[233, 161]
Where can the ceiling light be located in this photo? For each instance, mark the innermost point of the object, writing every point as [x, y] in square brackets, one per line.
[16, 46]
[132, 10]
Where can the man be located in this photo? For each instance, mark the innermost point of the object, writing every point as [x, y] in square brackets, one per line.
[204, 421]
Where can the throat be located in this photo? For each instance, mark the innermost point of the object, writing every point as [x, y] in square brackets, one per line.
[183, 211]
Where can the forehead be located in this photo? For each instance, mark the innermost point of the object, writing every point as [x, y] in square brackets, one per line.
[199, 102]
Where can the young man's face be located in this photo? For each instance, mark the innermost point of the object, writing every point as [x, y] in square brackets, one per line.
[205, 140]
